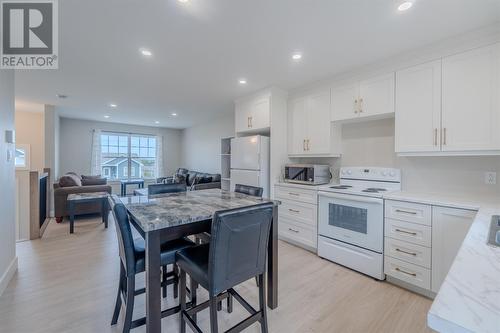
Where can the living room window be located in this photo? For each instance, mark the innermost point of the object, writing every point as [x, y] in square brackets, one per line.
[128, 155]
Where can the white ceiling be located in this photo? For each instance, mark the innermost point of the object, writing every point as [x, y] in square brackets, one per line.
[201, 49]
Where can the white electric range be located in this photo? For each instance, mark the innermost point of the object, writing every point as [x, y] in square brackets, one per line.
[351, 218]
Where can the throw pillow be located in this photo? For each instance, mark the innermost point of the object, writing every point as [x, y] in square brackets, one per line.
[70, 180]
[179, 179]
[91, 177]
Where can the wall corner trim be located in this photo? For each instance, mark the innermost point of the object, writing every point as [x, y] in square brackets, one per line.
[7, 276]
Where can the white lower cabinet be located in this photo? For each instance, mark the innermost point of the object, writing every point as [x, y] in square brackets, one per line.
[297, 215]
[449, 228]
[421, 241]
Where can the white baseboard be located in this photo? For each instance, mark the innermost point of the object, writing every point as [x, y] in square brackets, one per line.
[7, 276]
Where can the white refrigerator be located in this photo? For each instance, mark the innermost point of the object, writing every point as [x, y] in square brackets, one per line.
[250, 162]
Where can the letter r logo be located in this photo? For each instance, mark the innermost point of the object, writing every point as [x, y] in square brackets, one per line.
[27, 27]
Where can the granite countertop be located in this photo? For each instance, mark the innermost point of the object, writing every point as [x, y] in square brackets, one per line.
[167, 210]
[469, 298]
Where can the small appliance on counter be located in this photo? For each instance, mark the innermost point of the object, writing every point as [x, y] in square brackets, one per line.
[309, 174]
[351, 218]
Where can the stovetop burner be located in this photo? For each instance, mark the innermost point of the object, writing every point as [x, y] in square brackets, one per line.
[341, 187]
[374, 190]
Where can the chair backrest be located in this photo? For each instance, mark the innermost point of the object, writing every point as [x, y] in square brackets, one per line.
[250, 190]
[166, 188]
[238, 245]
[124, 234]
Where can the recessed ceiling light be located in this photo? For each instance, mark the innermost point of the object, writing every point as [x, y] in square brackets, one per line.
[146, 52]
[242, 81]
[183, 1]
[297, 56]
[106, 116]
[112, 105]
[62, 96]
[157, 122]
[405, 6]
[174, 114]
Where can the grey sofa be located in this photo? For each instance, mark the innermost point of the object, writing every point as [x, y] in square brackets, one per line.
[72, 183]
[194, 180]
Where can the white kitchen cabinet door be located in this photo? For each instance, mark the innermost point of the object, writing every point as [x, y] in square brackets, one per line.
[245, 153]
[297, 126]
[241, 117]
[471, 100]
[376, 96]
[245, 177]
[418, 108]
[344, 102]
[260, 113]
[449, 228]
[318, 123]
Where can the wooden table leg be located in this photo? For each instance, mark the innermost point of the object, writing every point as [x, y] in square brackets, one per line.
[71, 216]
[153, 285]
[272, 263]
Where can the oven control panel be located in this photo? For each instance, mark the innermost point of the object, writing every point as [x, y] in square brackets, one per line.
[375, 173]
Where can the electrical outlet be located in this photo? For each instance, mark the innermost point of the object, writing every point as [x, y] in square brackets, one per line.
[490, 178]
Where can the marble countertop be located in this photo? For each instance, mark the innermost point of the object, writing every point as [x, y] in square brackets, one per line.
[469, 298]
[167, 210]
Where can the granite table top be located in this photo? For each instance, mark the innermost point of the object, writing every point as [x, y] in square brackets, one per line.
[156, 212]
[87, 196]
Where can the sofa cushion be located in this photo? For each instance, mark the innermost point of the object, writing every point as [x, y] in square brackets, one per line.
[91, 177]
[215, 176]
[94, 181]
[70, 180]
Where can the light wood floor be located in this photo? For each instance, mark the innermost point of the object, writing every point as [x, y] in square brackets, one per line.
[67, 283]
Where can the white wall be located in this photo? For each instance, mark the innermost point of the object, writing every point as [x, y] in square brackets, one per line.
[8, 260]
[371, 143]
[201, 144]
[30, 130]
[76, 143]
[51, 140]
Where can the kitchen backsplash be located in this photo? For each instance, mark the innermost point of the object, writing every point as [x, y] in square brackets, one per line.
[371, 143]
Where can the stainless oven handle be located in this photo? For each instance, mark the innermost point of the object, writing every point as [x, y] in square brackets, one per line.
[351, 197]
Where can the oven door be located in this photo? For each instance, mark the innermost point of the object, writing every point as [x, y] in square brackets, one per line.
[352, 219]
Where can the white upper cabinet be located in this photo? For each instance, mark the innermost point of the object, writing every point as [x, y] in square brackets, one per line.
[450, 106]
[368, 98]
[418, 108]
[309, 127]
[253, 114]
[345, 102]
[318, 123]
[471, 100]
[376, 96]
[297, 126]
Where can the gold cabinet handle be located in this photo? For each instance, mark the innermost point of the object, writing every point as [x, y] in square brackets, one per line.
[355, 106]
[248, 122]
[304, 145]
[444, 136]
[405, 252]
[435, 137]
[294, 210]
[405, 212]
[360, 105]
[308, 148]
[405, 272]
[406, 232]
[293, 230]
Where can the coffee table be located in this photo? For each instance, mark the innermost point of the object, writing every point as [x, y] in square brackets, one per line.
[125, 182]
[95, 197]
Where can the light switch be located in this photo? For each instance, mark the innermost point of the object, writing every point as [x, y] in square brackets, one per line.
[10, 136]
[9, 155]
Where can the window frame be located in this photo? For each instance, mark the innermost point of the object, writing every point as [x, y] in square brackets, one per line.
[129, 156]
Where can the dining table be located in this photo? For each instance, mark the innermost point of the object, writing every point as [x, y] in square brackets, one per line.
[171, 216]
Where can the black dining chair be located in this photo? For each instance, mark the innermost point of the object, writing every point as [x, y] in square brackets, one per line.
[166, 188]
[133, 261]
[236, 252]
[249, 190]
